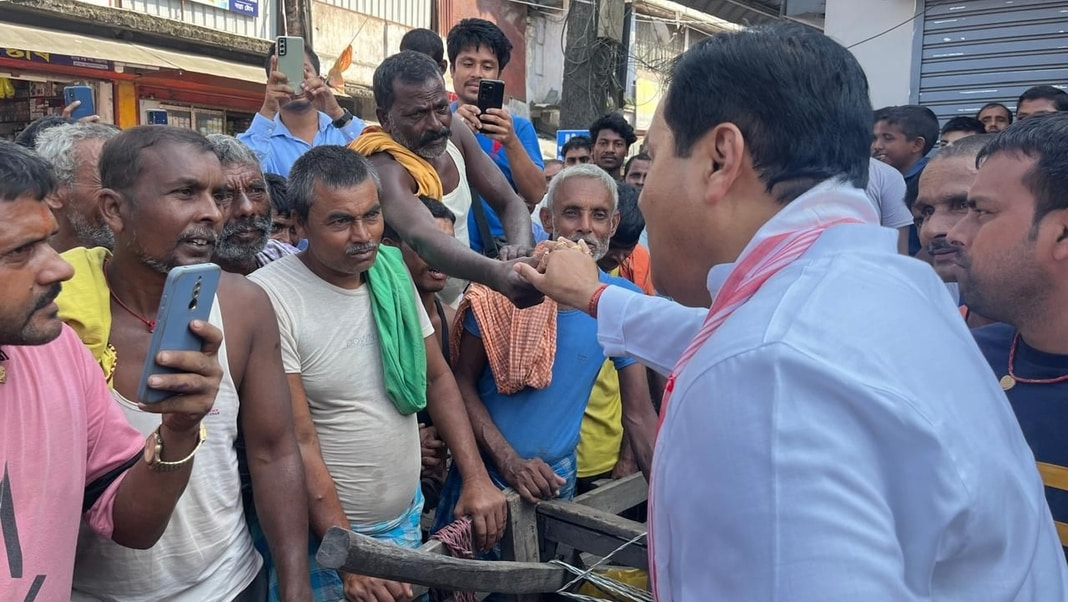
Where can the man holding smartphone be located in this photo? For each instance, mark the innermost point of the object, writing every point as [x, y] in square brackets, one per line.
[297, 116]
[66, 448]
[166, 211]
[479, 50]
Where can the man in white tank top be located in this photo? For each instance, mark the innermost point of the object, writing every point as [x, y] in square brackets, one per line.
[413, 108]
[163, 187]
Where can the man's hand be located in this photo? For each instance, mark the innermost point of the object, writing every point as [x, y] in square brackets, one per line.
[278, 93]
[497, 125]
[69, 110]
[510, 284]
[488, 509]
[533, 479]
[367, 589]
[433, 451]
[624, 468]
[322, 97]
[469, 114]
[570, 277]
[512, 252]
[195, 384]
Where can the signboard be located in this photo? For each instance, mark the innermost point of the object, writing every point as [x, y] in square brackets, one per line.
[562, 136]
[48, 58]
[249, 8]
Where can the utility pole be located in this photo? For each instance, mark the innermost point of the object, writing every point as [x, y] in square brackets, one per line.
[592, 86]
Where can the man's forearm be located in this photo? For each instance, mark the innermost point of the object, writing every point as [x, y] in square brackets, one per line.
[487, 435]
[450, 418]
[451, 256]
[277, 477]
[529, 178]
[516, 221]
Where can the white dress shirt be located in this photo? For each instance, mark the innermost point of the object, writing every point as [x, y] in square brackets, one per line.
[840, 437]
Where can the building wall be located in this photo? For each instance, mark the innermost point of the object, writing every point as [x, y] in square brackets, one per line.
[888, 59]
[201, 12]
[335, 28]
[545, 52]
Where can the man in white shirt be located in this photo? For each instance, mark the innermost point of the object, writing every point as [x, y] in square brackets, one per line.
[830, 431]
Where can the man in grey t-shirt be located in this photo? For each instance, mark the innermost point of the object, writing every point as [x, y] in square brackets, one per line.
[886, 189]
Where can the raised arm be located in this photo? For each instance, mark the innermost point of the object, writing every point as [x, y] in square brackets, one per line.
[491, 184]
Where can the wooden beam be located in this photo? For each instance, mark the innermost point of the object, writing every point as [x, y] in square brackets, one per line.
[591, 530]
[349, 551]
[616, 496]
[520, 541]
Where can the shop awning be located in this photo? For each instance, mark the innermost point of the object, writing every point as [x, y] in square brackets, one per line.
[24, 38]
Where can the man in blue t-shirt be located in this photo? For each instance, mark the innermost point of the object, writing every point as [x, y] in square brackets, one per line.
[1014, 269]
[479, 50]
[529, 437]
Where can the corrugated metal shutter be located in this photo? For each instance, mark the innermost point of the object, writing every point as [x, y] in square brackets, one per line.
[981, 51]
[196, 13]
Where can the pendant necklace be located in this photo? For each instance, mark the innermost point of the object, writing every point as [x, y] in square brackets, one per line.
[1009, 380]
[151, 324]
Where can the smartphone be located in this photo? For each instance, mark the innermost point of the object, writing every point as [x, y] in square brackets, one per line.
[290, 53]
[188, 294]
[85, 95]
[157, 117]
[490, 94]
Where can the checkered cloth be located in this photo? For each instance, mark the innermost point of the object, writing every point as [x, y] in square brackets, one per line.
[403, 531]
[274, 251]
[520, 343]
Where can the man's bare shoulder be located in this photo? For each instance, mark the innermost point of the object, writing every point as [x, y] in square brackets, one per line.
[243, 303]
[391, 173]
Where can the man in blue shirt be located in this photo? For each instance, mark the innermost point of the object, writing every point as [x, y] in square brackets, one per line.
[479, 50]
[1013, 268]
[529, 437]
[296, 117]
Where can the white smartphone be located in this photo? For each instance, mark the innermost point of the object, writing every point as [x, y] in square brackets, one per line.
[290, 53]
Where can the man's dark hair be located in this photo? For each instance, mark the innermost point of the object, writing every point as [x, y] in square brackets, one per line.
[425, 41]
[964, 124]
[813, 120]
[308, 52]
[24, 172]
[616, 123]
[407, 66]
[1058, 96]
[279, 194]
[120, 161]
[991, 105]
[475, 33]
[638, 157]
[631, 222]
[576, 142]
[1043, 138]
[914, 122]
[438, 210]
[28, 137]
[549, 162]
[332, 166]
[965, 147]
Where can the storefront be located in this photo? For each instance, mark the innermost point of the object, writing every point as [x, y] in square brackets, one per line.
[205, 93]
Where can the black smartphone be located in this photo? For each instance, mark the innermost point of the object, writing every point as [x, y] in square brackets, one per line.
[490, 95]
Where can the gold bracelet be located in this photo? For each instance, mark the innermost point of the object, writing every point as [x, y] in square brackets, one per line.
[154, 451]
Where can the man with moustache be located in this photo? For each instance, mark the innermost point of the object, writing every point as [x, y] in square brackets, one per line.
[245, 243]
[415, 153]
[941, 203]
[1012, 266]
[68, 454]
[612, 137]
[831, 452]
[530, 436]
[361, 360]
[297, 116]
[163, 196]
[74, 151]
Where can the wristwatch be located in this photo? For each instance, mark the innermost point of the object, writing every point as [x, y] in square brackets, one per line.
[344, 120]
[154, 451]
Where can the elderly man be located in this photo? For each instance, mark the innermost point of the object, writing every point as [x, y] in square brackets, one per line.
[163, 196]
[530, 435]
[361, 360]
[74, 152]
[417, 152]
[245, 243]
[831, 451]
[1012, 265]
[67, 451]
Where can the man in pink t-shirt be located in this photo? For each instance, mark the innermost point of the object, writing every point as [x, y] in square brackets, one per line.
[66, 451]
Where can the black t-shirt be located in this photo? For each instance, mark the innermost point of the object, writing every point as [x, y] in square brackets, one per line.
[1041, 409]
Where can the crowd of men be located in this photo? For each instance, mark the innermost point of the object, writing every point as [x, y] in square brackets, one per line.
[416, 315]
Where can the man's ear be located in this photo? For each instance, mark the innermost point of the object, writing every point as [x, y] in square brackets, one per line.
[59, 197]
[546, 217]
[1060, 225]
[917, 145]
[111, 208]
[720, 153]
[389, 242]
[615, 223]
[383, 118]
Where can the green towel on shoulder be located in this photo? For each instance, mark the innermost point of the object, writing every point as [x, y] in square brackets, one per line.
[400, 336]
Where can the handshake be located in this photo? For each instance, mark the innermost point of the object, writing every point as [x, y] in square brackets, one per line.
[541, 252]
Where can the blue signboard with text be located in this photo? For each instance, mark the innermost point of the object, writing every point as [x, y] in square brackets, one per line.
[562, 136]
[250, 8]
